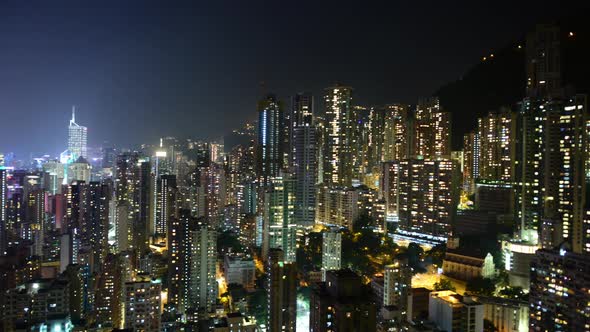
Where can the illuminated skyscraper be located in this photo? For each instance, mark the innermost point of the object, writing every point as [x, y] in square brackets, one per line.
[358, 137]
[331, 252]
[496, 133]
[203, 284]
[166, 194]
[95, 228]
[432, 130]
[280, 229]
[270, 143]
[142, 304]
[471, 154]
[396, 139]
[305, 166]
[337, 156]
[3, 214]
[531, 165]
[110, 290]
[565, 174]
[77, 137]
[179, 265]
[397, 284]
[551, 177]
[559, 294]
[388, 139]
[300, 114]
[145, 200]
[426, 201]
[337, 206]
[389, 183]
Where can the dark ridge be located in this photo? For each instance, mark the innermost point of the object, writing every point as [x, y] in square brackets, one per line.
[492, 83]
[500, 81]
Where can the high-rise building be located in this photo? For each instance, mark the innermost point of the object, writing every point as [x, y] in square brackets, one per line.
[300, 114]
[530, 170]
[424, 198]
[397, 284]
[142, 225]
[281, 286]
[551, 177]
[337, 156]
[559, 296]
[331, 251]
[566, 140]
[396, 139]
[270, 142]
[358, 137]
[280, 229]
[110, 290]
[388, 139]
[305, 166]
[126, 198]
[77, 138]
[142, 304]
[96, 227]
[3, 214]
[389, 191]
[471, 155]
[496, 133]
[78, 288]
[165, 203]
[432, 130]
[544, 60]
[179, 264]
[341, 304]
[203, 284]
[337, 206]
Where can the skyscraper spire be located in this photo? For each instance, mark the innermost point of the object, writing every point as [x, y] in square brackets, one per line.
[77, 137]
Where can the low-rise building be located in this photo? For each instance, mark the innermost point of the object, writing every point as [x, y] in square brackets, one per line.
[452, 312]
[507, 315]
[418, 304]
[36, 302]
[466, 265]
[240, 270]
[234, 322]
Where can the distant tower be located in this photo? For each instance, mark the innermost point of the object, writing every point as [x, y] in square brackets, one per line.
[77, 137]
[337, 136]
[305, 164]
[432, 127]
[3, 215]
[270, 138]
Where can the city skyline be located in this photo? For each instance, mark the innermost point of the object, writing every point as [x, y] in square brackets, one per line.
[327, 208]
[115, 74]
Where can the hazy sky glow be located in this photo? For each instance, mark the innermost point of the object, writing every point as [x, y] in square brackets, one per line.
[138, 70]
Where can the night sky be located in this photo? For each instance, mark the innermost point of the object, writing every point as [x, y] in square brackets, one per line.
[141, 70]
